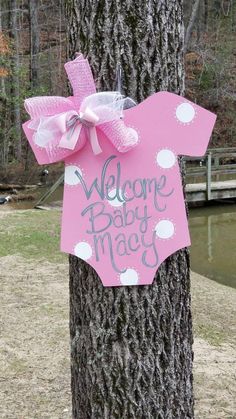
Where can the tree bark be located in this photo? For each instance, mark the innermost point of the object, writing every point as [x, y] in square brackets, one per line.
[131, 347]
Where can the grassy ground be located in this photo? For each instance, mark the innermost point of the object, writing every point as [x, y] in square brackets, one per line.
[32, 234]
[34, 342]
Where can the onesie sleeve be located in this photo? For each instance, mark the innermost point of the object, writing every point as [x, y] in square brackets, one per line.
[189, 126]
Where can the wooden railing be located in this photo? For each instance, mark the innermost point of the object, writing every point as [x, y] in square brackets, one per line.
[216, 163]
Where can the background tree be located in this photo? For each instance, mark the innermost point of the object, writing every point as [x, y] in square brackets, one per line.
[15, 79]
[34, 43]
[191, 23]
[131, 346]
[32, 50]
[36, 52]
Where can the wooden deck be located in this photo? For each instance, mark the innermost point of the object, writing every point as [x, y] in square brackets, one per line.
[52, 206]
[211, 168]
[197, 192]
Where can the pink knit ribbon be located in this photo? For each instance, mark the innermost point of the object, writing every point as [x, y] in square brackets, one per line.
[60, 121]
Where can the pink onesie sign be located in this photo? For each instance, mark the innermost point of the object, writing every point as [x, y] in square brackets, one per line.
[123, 209]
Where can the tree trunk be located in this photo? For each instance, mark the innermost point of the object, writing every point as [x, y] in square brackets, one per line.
[3, 105]
[192, 22]
[14, 33]
[206, 15]
[34, 43]
[131, 347]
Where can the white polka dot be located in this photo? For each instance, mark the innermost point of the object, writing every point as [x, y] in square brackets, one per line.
[185, 112]
[129, 277]
[115, 202]
[83, 250]
[165, 159]
[70, 175]
[164, 229]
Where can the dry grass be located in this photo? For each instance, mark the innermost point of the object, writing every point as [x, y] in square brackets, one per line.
[34, 354]
[214, 307]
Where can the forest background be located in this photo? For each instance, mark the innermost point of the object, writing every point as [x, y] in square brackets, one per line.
[33, 50]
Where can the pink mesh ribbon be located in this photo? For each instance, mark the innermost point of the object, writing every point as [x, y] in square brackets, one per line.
[68, 122]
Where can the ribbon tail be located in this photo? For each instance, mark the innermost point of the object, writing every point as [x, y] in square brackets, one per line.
[69, 138]
[122, 137]
[94, 141]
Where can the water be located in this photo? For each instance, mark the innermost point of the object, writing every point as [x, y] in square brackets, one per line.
[36, 194]
[213, 235]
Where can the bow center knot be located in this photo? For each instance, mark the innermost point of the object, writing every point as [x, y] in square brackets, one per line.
[88, 118]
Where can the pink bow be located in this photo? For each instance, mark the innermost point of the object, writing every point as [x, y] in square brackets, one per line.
[68, 122]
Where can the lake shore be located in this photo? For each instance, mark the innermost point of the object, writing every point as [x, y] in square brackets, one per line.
[35, 353]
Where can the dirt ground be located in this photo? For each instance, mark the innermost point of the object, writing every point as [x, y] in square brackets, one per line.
[34, 342]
